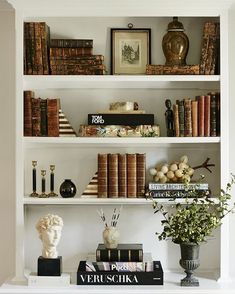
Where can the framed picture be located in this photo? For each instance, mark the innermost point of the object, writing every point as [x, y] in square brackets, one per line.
[130, 51]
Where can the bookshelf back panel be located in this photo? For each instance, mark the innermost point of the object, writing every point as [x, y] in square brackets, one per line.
[80, 165]
[83, 231]
[76, 104]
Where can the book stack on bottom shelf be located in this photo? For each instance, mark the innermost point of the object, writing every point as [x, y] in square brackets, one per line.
[123, 265]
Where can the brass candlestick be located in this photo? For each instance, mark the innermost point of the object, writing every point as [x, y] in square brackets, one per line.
[52, 182]
[34, 179]
[43, 194]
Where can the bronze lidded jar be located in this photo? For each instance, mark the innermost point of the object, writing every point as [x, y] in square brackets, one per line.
[175, 44]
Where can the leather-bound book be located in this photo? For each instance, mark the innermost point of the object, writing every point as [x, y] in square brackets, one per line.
[195, 118]
[211, 51]
[45, 37]
[187, 118]
[207, 106]
[201, 107]
[122, 175]
[213, 115]
[113, 175]
[38, 65]
[176, 119]
[208, 30]
[141, 174]
[36, 117]
[181, 117]
[102, 175]
[43, 108]
[53, 117]
[28, 95]
[131, 176]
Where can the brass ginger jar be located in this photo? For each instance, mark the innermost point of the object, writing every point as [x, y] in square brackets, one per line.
[175, 44]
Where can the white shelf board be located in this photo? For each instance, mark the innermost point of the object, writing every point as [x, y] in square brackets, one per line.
[115, 142]
[119, 81]
[171, 286]
[98, 201]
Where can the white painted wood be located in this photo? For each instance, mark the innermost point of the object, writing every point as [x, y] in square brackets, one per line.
[19, 251]
[171, 286]
[93, 141]
[74, 8]
[99, 201]
[109, 81]
[225, 178]
[46, 149]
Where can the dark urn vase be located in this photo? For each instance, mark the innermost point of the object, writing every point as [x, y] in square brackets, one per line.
[67, 189]
[175, 44]
[189, 261]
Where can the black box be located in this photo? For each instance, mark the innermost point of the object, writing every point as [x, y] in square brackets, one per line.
[49, 266]
[120, 119]
[154, 277]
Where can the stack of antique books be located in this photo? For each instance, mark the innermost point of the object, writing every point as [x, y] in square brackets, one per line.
[124, 265]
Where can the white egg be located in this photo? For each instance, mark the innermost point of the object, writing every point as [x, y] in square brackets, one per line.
[163, 180]
[160, 174]
[175, 179]
[173, 167]
[179, 173]
[170, 174]
[182, 166]
[164, 169]
[190, 171]
[184, 159]
[153, 171]
[156, 179]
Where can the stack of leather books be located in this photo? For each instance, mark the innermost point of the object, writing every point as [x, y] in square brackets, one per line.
[75, 57]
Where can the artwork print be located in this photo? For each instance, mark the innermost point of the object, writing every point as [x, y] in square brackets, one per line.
[130, 51]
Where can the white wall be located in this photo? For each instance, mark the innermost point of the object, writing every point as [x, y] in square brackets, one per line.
[7, 129]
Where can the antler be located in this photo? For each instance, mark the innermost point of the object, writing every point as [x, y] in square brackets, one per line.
[205, 165]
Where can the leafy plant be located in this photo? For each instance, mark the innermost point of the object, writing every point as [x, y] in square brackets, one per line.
[195, 219]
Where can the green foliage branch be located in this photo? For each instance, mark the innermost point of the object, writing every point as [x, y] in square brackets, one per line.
[195, 219]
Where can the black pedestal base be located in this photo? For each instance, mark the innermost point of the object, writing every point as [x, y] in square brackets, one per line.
[49, 266]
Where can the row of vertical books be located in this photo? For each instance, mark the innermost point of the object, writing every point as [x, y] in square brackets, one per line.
[44, 118]
[41, 116]
[43, 55]
[197, 118]
[121, 175]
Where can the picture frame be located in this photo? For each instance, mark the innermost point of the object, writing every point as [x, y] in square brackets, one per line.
[130, 51]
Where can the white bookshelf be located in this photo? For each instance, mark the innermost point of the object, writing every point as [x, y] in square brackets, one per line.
[122, 81]
[77, 156]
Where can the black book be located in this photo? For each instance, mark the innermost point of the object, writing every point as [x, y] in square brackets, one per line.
[43, 108]
[124, 252]
[154, 277]
[179, 194]
[121, 119]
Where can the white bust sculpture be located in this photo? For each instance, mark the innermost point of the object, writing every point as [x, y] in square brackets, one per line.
[49, 228]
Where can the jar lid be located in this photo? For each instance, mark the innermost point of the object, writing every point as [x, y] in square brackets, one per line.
[175, 25]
